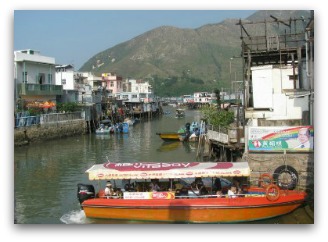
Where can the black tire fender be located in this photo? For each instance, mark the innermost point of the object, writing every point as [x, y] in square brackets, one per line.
[289, 170]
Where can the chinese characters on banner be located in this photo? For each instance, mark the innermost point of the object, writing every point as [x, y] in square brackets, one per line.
[298, 138]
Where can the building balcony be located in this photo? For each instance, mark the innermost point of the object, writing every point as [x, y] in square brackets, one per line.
[39, 89]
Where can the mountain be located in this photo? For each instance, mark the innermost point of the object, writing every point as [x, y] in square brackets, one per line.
[180, 61]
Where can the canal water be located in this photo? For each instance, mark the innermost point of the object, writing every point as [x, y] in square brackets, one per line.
[46, 174]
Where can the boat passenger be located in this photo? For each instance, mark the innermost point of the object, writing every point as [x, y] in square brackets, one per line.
[198, 183]
[128, 187]
[154, 186]
[118, 193]
[217, 187]
[200, 186]
[197, 132]
[219, 194]
[109, 191]
[236, 183]
[232, 191]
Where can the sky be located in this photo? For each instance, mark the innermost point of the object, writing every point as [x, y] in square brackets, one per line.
[64, 38]
[74, 36]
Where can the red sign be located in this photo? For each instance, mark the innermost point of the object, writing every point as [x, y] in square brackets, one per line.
[149, 166]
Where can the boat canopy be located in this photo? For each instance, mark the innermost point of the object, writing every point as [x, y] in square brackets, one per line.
[153, 170]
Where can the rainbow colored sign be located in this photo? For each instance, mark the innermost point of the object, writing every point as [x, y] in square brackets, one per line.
[298, 138]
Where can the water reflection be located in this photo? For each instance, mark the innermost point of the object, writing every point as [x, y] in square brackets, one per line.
[169, 146]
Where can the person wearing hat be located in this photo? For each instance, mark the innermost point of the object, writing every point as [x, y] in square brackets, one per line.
[109, 191]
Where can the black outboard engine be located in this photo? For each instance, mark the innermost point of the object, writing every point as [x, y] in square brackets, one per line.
[84, 192]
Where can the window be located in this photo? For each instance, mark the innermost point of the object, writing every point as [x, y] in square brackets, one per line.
[291, 77]
[50, 78]
[41, 78]
[24, 77]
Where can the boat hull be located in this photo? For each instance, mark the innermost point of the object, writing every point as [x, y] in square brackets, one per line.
[170, 136]
[195, 210]
[103, 132]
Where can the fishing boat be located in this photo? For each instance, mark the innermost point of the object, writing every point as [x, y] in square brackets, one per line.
[181, 204]
[179, 113]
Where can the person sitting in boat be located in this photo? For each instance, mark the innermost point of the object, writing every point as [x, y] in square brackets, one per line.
[217, 187]
[109, 191]
[128, 187]
[200, 187]
[197, 131]
[154, 187]
[236, 182]
[197, 183]
[219, 194]
[232, 191]
[118, 193]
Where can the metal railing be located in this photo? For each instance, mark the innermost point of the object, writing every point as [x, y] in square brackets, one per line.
[60, 117]
[23, 119]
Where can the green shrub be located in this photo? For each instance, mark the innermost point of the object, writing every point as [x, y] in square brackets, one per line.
[67, 107]
[217, 118]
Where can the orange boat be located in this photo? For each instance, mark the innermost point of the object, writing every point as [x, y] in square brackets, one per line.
[182, 204]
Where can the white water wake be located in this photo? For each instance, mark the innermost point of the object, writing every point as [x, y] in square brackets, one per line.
[75, 217]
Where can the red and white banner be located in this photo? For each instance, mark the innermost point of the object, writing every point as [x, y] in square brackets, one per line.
[153, 170]
[148, 195]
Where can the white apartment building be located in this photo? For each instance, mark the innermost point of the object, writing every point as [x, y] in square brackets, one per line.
[136, 91]
[31, 67]
[34, 76]
[204, 97]
[65, 76]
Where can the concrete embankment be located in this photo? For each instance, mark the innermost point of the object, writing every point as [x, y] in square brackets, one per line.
[37, 133]
[302, 163]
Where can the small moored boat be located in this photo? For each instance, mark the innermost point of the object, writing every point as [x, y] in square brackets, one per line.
[104, 129]
[179, 113]
[183, 134]
[170, 136]
[173, 203]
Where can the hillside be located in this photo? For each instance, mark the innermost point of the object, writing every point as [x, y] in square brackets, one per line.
[180, 61]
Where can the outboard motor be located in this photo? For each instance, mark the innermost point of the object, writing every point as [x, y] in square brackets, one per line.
[85, 192]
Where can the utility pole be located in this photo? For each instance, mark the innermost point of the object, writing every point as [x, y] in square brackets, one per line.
[230, 77]
[230, 71]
